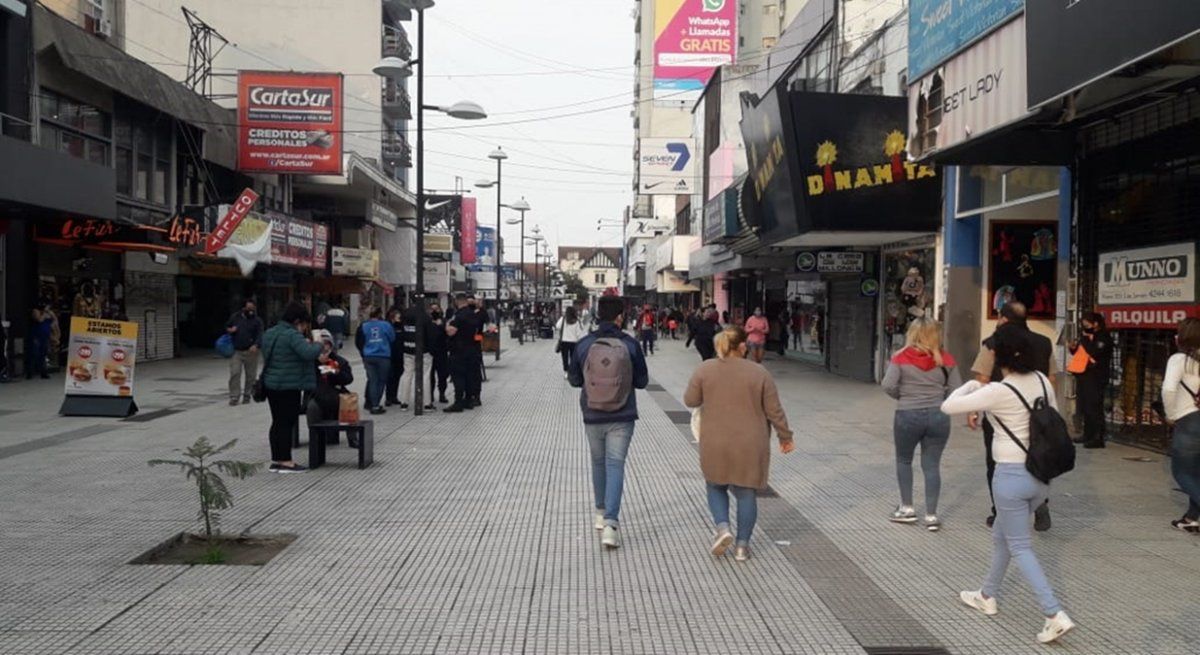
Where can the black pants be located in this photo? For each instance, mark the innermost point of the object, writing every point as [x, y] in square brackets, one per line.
[393, 380]
[439, 374]
[285, 417]
[475, 375]
[567, 350]
[460, 372]
[1090, 395]
[647, 342]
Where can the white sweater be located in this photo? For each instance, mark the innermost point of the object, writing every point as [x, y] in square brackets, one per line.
[571, 333]
[1001, 403]
[1176, 401]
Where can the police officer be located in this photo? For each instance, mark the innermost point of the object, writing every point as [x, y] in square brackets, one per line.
[476, 382]
[437, 346]
[461, 330]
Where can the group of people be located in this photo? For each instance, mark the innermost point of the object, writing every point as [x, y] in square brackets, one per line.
[303, 374]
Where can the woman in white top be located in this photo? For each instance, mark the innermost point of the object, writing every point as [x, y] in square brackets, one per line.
[1181, 403]
[570, 331]
[1016, 491]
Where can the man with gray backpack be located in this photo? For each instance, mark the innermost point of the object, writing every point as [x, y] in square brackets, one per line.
[608, 367]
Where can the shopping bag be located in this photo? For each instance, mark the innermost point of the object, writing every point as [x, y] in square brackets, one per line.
[224, 345]
[696, 424]
[348, 408]
[1079, 361]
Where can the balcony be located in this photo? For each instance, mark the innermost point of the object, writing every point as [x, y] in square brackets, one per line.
[396, 43]
[397, 104]
[396, 151]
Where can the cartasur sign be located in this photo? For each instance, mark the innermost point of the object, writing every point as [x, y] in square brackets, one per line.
[290, 122]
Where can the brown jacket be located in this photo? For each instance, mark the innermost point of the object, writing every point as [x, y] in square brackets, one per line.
[739, 404]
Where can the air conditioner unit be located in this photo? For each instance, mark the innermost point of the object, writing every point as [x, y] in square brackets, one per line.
[104, 28]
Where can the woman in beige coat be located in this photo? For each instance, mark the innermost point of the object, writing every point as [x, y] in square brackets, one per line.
[739, 404]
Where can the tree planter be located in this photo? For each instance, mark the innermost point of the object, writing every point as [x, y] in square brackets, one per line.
[186, 548]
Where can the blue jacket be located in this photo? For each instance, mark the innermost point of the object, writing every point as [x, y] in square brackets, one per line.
[378, 337]
[641, 376]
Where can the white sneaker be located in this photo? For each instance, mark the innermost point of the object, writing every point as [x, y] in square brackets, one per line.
[610, 538]
[724, 538]
[903, 515]
[598, 520]
[932, 523]
[975, 599]
[1055, 627]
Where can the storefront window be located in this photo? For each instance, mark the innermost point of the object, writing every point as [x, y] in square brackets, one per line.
[985, 187]
[806, 318]
[908, 280]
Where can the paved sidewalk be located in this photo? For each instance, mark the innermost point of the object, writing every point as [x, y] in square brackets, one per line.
[471, 534]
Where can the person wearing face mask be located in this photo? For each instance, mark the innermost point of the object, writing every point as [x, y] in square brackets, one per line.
[757, 329]
[1090, 368]
[246, 328]
[436, 344]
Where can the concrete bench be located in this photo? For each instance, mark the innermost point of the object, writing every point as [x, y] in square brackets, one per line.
[324, 433]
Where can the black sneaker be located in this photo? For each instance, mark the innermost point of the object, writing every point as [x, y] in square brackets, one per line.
[1093, 444]
[1041, 518]
[991, 520]
[377, 410]
[453, 409]
[443, 400]
[294, 468]
[1187, 525]
[233, 402]
[404, 407]
[389, 402]
[430, 408]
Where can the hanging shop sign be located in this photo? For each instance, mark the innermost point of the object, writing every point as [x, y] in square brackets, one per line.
[1148, 276]
[666, 166]
[439, 243]
[721, 217]
[185, 232]
[297, 242]
[100, 357]
[1072, 44]
[437, 277]
[470, 231]
[354, 262]
[290, 122]
[771, 154]
[443, 219]
[691, 38]
[233, 218]
[939, 28]
[381, 216]
[830, 261]
[974, 93]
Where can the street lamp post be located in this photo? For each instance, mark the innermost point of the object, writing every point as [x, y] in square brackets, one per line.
[499, 155]
[536, 240]
[397, 69]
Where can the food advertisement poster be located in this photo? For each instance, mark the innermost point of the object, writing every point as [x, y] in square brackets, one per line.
[101, 357]
[1023, 265]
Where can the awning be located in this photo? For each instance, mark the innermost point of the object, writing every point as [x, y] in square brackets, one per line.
[101, 61]
[335, 285]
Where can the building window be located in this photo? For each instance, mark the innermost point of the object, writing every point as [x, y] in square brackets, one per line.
[75, 128]
[143, 145]
[981, 188]
[600, 278]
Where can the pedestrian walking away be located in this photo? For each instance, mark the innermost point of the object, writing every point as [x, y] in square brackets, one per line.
[246, 330]
[739, 404]
[461, 330]
[570, 331]
[337, 322]
[920, 376]
[757, 328]
[608, 366]
[985, 369]
[1016, 491]
[375, 340]
[646, 330]
[288, 370]
[1181, 405]
[1090, 363]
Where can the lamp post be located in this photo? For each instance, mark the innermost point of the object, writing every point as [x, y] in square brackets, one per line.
[397, 69]
[535, 240]
[521, 206]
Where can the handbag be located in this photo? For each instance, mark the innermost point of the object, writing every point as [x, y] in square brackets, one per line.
[259, 391]
[1079, 361]
[558, 346]
[224, 345]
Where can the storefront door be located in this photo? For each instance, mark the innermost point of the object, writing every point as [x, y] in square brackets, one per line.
[851, 330]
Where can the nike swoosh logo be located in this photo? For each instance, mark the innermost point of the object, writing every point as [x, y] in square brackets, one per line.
[651, 186]
[430, 206]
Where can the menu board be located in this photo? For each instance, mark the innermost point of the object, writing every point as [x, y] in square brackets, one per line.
[101, 357]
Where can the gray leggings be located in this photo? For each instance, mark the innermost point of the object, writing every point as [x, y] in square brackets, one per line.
[930, 428]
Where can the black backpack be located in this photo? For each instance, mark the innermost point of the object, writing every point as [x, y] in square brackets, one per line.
[1051, 451]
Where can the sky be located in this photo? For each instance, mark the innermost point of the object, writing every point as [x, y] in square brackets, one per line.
[535, 61]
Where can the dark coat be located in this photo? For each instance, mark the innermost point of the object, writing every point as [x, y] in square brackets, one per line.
[288, 359]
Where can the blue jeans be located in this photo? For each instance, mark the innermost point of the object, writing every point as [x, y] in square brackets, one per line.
[609, 443]
[929, 428]
[1185, 460]
[747, 509]
[1018, 494]
[377, 375]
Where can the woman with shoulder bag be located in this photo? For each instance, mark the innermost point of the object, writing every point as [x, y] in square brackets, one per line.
[1181, 404]
[1017, 492]
[570, 332]
[739, 404]
[920, 376]
[287, 371]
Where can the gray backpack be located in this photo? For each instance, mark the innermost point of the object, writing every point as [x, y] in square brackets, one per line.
[607, 375]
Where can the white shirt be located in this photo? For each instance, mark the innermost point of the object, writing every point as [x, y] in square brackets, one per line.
[1176, 402]
[571, 333]
[1001, 403]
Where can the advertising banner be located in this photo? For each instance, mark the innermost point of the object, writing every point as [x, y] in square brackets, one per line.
[1162, 275]
[1147, 317]
[770, 200]
[1073, 43]
[437, 277]
[230, 222]
[355, 262]
[100, 357]
[443, 216]
[485, 245]
[469, 233]
[297, 242]
[666, 166]
[939, 28]
[982, 89]
[290, 122]
[691, 38]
